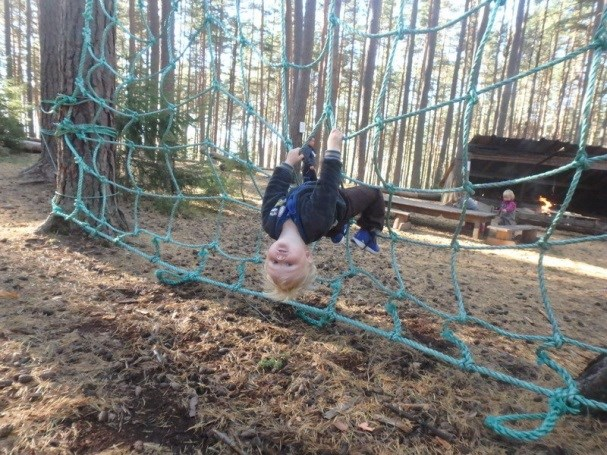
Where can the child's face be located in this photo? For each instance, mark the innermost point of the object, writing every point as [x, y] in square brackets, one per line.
[287, 261]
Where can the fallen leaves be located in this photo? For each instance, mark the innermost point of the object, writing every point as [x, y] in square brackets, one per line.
[366, 427]
[340, 408]
[8, 295]
[340, 425]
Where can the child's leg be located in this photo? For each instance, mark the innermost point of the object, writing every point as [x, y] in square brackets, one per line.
[368, 203]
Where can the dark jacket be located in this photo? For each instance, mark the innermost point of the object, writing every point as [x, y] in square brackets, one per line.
[318, 205]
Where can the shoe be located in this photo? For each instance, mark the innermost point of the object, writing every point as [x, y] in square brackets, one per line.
[366, 240]
[339, 237]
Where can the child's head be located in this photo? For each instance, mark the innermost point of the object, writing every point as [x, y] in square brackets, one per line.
[508, 195]
[289, 268]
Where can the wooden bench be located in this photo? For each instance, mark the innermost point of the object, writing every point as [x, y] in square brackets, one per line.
[505, 235]
[402, 207]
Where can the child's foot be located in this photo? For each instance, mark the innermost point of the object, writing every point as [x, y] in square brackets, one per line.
[366, 240]
[339, 237]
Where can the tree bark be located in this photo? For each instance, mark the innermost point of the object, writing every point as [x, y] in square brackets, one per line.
[402, 129]
[51, 62]
[303, 35]
[29, 69]
[78, 192]
[8, 48]
[514, 58]
[151, 136]
[448, 137]
[421, 120]
[367, 86]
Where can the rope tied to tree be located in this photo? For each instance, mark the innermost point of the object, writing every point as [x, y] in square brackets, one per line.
[163, 129]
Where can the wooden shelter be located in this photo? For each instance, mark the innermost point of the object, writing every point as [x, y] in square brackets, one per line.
[495, 159]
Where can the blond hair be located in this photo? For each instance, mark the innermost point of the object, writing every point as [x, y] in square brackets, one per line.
[509, 194]
[284, 289]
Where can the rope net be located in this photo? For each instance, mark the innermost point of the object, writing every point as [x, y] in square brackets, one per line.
[172, 159]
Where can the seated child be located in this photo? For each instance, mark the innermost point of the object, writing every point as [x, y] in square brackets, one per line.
[507, 210]
[310, 211]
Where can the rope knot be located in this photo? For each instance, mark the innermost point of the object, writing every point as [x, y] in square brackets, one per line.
[379, 121]
[543, 244]
[400, 294]
[583, 162]
[63, 100]
[469, 188]
[600, 41]
[64, 127]
[402, 32]
[390, 187]
[328, 109]
[565, 401]
[473, 96]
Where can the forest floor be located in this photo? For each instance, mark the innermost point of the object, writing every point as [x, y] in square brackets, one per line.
[98, 357]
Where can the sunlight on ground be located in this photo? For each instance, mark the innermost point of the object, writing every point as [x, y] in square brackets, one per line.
[526, 256]
[532, 257]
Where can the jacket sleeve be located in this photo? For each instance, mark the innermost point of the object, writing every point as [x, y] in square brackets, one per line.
[277, 188]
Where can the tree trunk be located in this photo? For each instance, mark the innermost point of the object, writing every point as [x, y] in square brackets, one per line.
[8, 51]
[405, 102]
[349, 102]
[334, 59]
[260, 98]
[427, 82]
[367, 86]
[51, 62]
[303, 35]
[132, 30]
[447, 133]
[151, 136]
[514, 58]
[167, 45]
[29, 70]
[531, 107]
[80, 194]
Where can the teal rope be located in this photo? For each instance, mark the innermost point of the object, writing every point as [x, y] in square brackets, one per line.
[216, 30]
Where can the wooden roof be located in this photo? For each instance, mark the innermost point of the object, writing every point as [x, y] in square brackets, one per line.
[545, 152]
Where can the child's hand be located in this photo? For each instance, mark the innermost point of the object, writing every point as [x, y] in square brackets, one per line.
[294, 157]
[335, 139]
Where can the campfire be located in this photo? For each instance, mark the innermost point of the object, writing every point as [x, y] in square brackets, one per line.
[543, 213]
[546, 207]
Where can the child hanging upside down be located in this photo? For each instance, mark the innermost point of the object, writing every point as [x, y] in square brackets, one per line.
[310, 211]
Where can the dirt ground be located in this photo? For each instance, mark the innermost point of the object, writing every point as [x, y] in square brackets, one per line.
[98, 357]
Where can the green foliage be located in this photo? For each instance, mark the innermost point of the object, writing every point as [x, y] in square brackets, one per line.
[166, 167]
[272, 364]
[11, 106]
